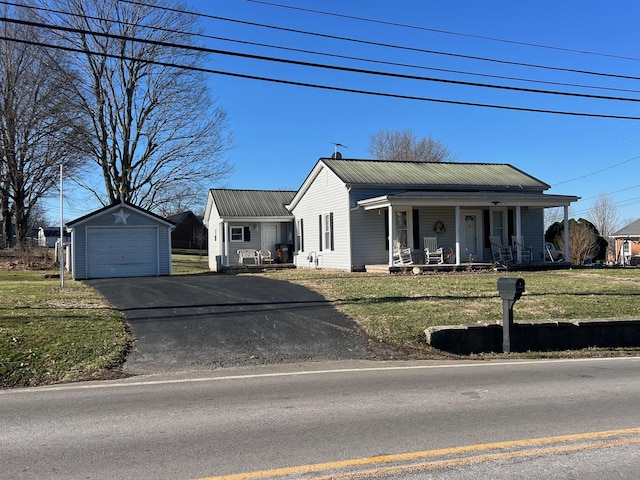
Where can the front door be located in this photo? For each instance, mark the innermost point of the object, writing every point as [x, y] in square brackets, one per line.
[269, 237]
[469, 248]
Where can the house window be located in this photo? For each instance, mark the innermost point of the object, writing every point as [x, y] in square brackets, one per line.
[300, 234]
[237, 234]
[327, 229]
[498, 225]
[402, 229]
[325, 226]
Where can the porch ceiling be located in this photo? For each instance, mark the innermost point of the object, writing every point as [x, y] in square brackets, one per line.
[467, 199]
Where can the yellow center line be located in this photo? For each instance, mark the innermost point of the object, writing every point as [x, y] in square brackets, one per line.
[464, 461]
[382, 459]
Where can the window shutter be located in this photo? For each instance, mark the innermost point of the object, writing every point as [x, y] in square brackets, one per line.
[331, 226]
[486, 221]
[416, 228]
[247, 234]
[320, 229]
[302, 234]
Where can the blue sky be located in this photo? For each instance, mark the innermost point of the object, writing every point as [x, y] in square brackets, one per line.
[280, 130]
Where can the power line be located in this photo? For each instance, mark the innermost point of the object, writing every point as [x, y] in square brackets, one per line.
[324, 87]
[447, 32]
[388, 45]
[597, 171]
[344, 57]
[316, 65]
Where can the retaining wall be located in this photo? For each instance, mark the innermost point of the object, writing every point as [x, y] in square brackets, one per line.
[536, 336]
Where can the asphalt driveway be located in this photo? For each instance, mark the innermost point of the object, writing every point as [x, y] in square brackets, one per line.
[184, 323]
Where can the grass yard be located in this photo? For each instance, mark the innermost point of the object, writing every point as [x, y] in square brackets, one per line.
[50, 334]
[185, 262]
[398, 308]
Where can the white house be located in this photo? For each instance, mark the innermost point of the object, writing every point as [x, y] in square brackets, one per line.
[243, 222]
[352, 213]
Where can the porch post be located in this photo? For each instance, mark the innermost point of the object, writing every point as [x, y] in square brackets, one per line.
[566, 233]
[458, 233]
[391, 235]
[518, 234]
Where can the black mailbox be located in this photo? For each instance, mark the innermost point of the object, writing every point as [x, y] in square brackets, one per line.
[511, 288]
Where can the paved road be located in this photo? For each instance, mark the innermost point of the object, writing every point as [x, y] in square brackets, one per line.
[564, 419]
[184, 323]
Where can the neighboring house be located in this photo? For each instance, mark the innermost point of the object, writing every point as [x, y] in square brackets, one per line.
[248, 220]
[120, 240]
[189, 232]
[350, 213]
[48, 236]
[627, 244]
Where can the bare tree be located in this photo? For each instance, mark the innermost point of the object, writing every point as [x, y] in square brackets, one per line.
[155, 128]
[584, 241]
[403, 145]
[604, 215]
[39, 122]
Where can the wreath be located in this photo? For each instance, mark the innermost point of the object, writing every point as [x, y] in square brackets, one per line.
[438, 227]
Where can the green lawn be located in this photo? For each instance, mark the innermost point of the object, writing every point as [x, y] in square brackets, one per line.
[50, 334]
[398, 308]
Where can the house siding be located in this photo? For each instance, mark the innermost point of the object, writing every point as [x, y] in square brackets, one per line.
[326, 195]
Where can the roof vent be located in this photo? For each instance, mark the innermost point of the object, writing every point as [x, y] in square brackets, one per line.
[336, 155]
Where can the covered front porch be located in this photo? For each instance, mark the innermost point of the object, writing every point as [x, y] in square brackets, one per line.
[475, 230]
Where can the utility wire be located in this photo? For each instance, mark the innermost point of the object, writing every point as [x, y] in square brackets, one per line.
[343, 57]
[323, 87]
[597, 171]
[388, 45]
[447, 32]
[314, 65]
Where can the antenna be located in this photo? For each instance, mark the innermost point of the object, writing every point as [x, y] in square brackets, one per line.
[336, 153]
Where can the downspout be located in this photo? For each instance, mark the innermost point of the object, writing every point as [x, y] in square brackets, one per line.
[226, 244]
[458, 233]
[566, 233]
[391, 235]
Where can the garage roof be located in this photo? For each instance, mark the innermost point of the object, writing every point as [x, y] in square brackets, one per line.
[115, 206]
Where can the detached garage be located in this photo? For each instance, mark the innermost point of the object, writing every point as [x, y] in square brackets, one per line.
[120, 240]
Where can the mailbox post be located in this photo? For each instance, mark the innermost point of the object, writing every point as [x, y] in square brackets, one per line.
[510, 290]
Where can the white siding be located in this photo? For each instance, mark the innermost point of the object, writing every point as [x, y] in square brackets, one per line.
[326, 194]
[214, 246]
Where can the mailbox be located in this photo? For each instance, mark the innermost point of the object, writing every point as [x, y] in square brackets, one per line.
[511, 288]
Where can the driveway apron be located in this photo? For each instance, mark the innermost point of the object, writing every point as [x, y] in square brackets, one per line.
[184, 323]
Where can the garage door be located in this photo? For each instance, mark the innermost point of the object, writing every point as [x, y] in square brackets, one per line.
[122, 252]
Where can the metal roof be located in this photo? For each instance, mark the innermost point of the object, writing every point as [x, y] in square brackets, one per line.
[631, 230]
[433, 175]
[252, 203]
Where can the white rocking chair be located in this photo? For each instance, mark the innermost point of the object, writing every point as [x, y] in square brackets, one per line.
[402, 255]
[431, 251]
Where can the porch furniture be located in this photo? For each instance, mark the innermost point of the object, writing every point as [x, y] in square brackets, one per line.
[264, 256]
[501, 255]
[553, 254]
[250, 253]
[526, 253]
[402, 255]
[431, 250]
